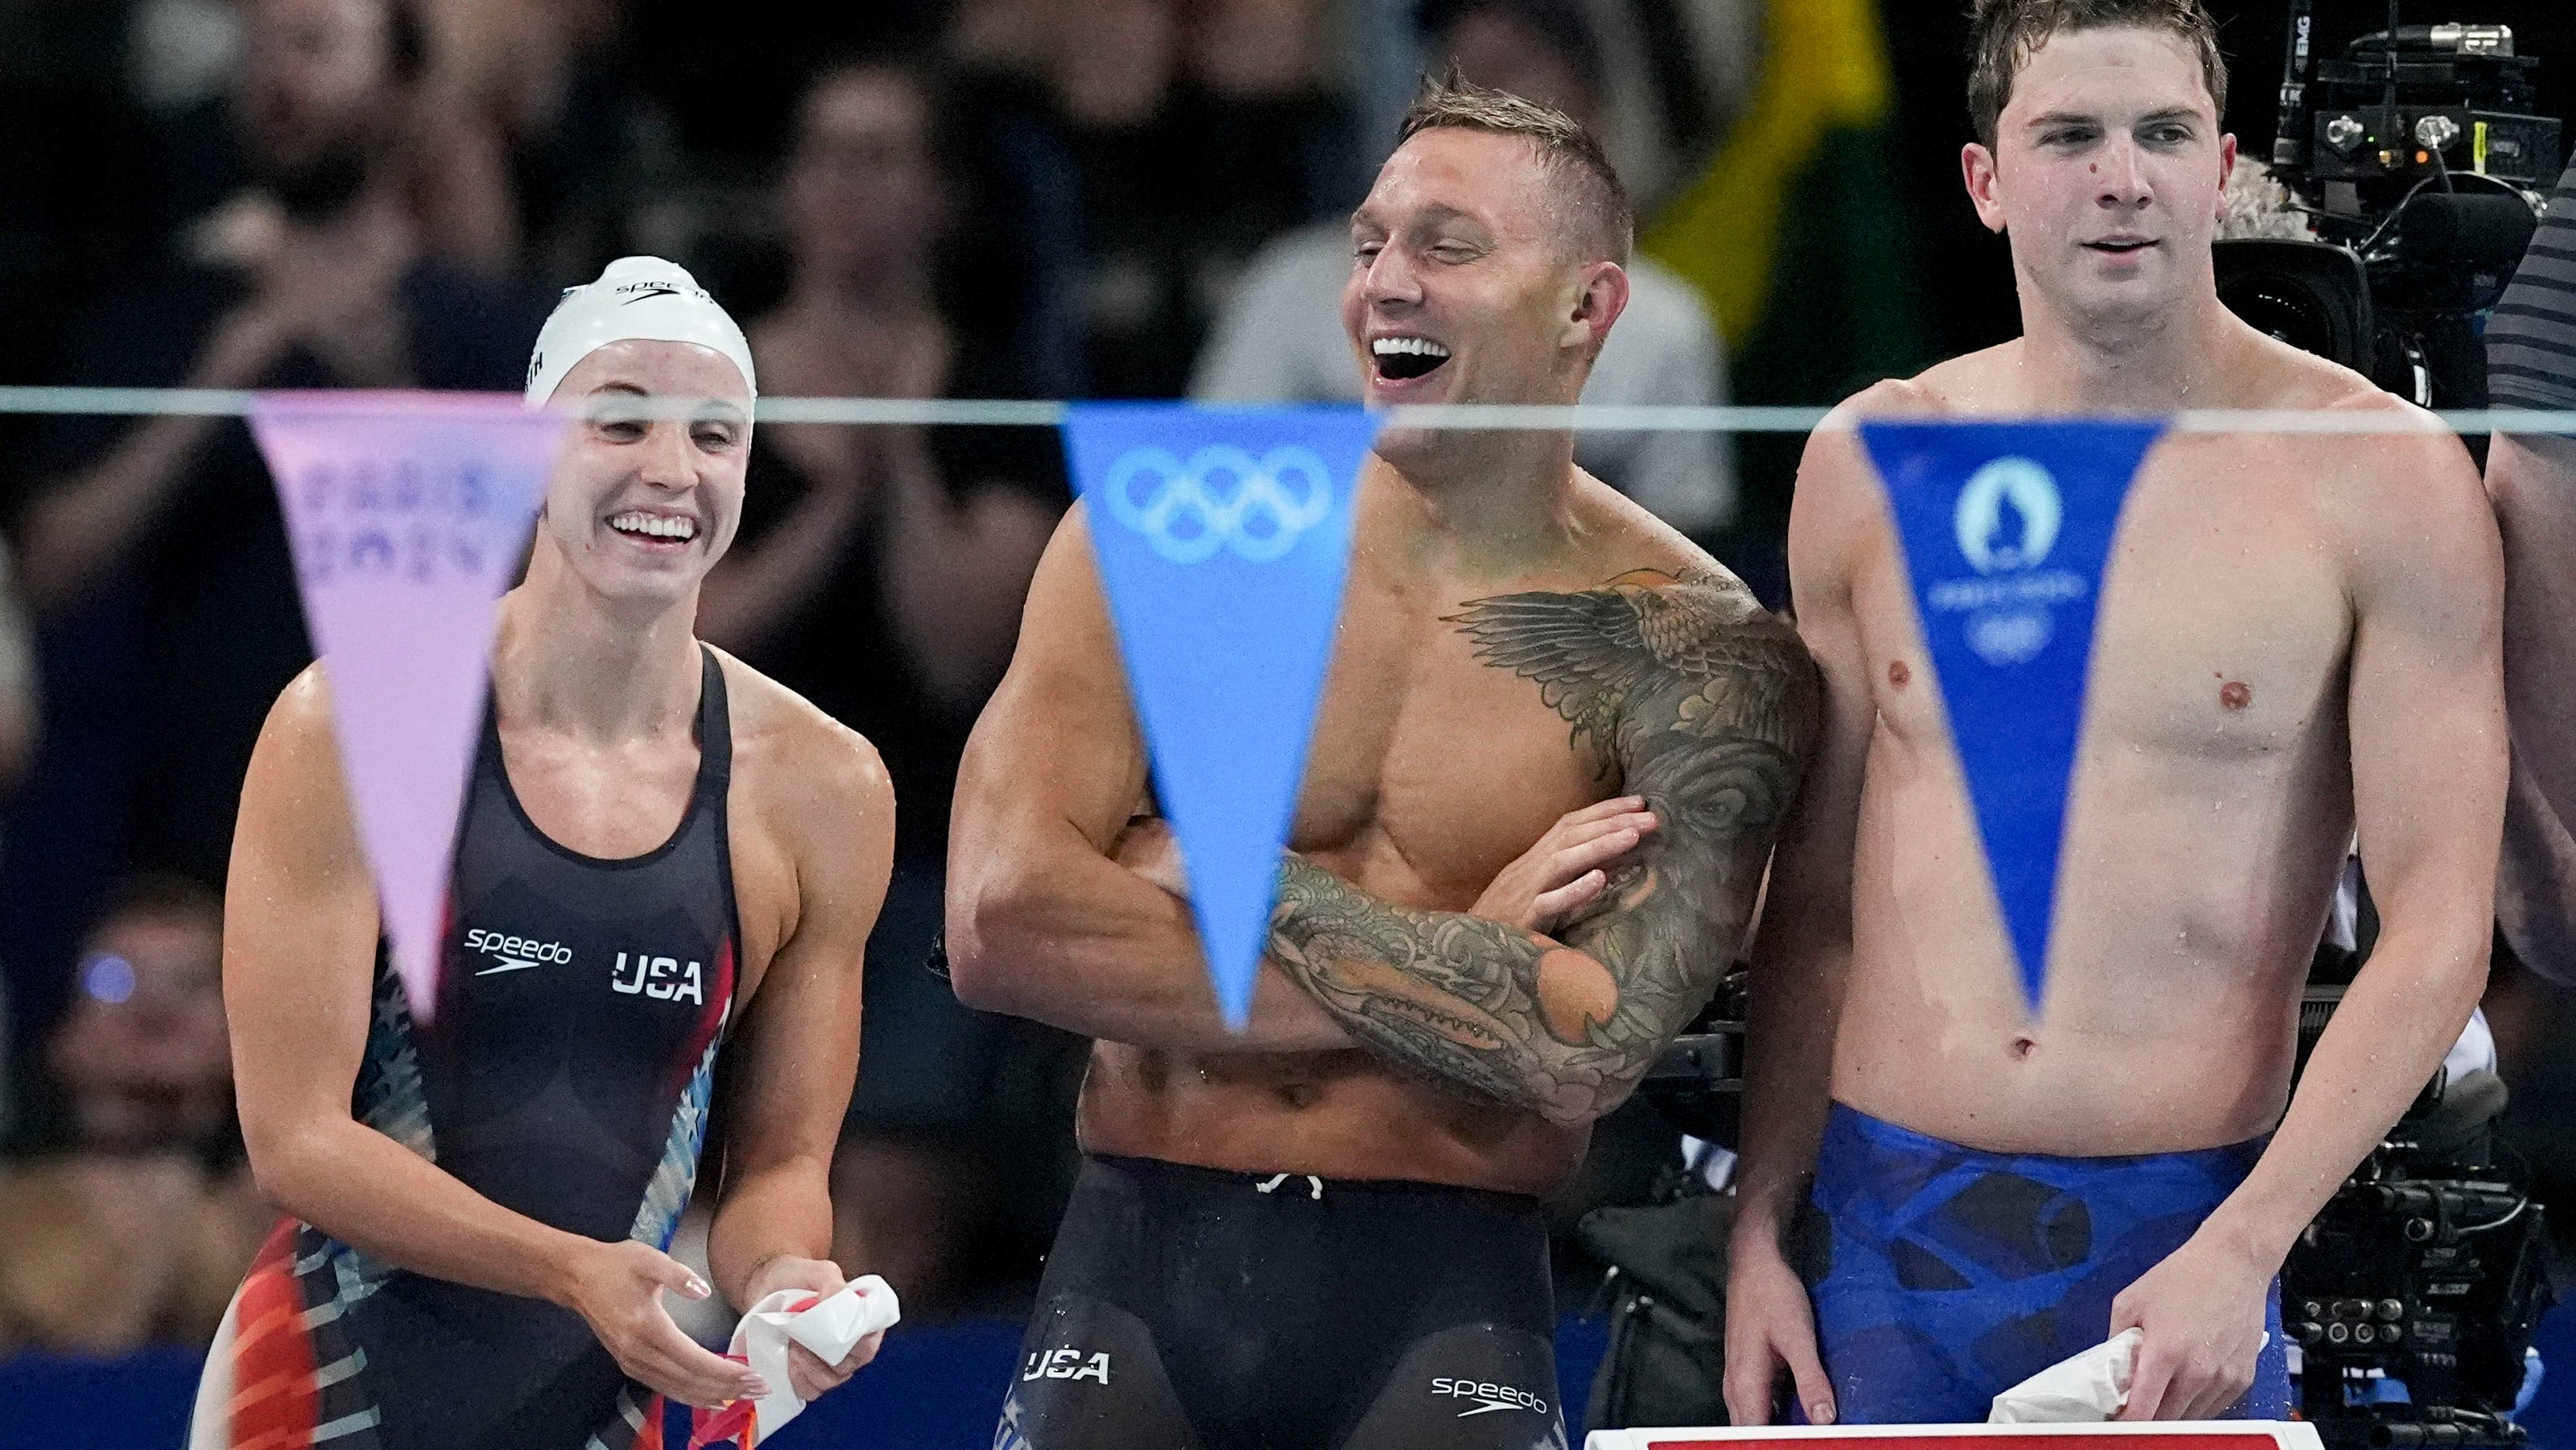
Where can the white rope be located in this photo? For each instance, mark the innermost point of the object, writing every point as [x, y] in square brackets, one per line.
[1044, 413]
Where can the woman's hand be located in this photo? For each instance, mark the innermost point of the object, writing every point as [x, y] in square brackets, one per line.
[1568, 869]
[618, 1288]
[806, 1369]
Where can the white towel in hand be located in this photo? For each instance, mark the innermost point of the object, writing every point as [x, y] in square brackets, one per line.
[831, 1328]
[2091, 1386]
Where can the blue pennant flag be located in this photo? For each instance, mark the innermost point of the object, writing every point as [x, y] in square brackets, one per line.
[2007, 528]
[1223, 536]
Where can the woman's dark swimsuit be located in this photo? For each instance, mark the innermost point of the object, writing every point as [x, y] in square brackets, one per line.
[566, 1076]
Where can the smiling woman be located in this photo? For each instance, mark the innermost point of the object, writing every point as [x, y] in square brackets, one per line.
[633, 490]
[481, 1214]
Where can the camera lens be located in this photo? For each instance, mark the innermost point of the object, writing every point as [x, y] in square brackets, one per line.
[2286, 307]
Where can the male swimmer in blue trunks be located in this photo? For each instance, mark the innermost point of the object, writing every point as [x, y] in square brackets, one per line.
[2298, 635]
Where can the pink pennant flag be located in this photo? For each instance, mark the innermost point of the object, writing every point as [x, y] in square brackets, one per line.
[408, 513]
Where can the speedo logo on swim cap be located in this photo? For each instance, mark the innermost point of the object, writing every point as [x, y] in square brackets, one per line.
[516, 953]
[657, 288]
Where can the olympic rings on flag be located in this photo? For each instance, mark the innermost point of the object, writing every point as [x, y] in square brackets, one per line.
[1188, 512]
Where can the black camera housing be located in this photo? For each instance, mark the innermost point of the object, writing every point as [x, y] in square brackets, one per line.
[2412, 152]
[2427, 1268]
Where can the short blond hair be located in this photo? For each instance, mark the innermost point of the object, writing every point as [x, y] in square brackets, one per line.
[1605, 225]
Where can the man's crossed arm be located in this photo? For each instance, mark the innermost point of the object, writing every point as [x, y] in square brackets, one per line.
[1709, 707]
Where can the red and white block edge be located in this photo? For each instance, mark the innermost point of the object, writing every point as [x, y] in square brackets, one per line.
[2165, 1435]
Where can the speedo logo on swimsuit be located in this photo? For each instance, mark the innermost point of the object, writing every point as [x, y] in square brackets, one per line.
[661, 978]
[1488, 1397]
[516, 953]
[1066, 1364]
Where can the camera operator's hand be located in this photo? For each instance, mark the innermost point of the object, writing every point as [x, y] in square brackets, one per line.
[2202, 1310]
[1770, 1324]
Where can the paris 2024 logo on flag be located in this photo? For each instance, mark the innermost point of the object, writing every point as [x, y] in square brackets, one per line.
[2007, 520]
[2006, 530]
[408, 514]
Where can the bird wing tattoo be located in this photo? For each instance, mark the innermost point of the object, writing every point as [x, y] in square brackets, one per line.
[1708, 707]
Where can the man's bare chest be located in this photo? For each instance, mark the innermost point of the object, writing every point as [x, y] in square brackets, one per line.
[2221, 631]
[1432, 769]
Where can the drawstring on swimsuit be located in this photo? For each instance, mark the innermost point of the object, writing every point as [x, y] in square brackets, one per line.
[1276, 1179]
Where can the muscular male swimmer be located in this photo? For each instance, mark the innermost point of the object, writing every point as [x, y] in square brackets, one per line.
[2297, 635]
[1326, 1232]
[664, 857]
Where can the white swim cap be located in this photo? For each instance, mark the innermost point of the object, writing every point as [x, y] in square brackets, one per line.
[636, 299]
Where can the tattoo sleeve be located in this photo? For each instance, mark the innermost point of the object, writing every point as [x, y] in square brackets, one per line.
[1709, 707]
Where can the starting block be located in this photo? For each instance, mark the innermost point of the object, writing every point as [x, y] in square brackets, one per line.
[2163, 1435]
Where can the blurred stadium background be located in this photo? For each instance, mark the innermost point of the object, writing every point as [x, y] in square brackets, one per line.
[984, 198]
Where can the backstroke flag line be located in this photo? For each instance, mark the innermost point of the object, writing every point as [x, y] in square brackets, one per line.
[407, 513]
[2007, 528]
[1223, 536]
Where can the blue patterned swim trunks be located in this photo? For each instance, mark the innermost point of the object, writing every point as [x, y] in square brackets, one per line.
[1955, 1274]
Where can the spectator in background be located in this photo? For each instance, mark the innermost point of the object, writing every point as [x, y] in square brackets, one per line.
[137, 1224]
[1281, 337]
[154, 553]
[2531, 363]
[1149, 146]
[882, 577]
[527, 121]
[514, 136]
[19, 688]
[885, 566]
[18, 713]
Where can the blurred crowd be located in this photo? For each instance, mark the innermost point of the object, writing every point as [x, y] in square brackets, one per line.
[990, 198]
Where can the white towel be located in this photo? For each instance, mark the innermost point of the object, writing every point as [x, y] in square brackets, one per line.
[831, 1328]
[2091, 1386]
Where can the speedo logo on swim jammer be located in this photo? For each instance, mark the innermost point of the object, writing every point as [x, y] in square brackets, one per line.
[516, 953]
[1488, 1396]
